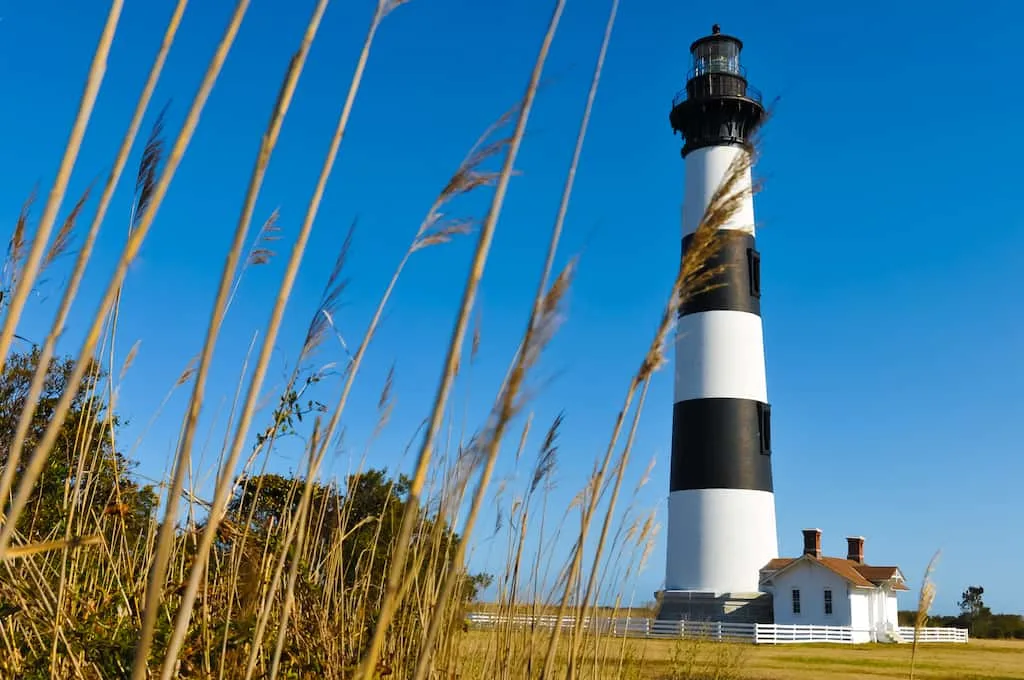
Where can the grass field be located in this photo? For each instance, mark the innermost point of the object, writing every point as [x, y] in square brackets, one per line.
[637, 659]
[981, 659]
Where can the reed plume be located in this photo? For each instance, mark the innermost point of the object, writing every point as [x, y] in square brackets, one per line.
[925, 598]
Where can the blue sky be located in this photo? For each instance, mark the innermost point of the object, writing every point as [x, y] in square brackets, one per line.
[889, 225]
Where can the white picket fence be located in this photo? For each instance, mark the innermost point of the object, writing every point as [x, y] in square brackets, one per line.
[778, 634]
[757, 633]
[632, 627]
[933, 634]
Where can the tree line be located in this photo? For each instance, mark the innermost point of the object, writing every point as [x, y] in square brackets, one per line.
[975, 616]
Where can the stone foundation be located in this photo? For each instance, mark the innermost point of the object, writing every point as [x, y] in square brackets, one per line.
[674, 605]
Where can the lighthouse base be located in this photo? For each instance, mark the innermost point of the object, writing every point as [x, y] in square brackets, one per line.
[689, 605]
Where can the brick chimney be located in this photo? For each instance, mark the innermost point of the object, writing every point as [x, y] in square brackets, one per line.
[855, 549]
[812, 542]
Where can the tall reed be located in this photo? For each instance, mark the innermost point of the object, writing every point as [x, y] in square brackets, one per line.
[267, 575]
[925, 599]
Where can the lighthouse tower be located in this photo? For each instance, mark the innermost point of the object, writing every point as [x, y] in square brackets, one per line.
[721, 509]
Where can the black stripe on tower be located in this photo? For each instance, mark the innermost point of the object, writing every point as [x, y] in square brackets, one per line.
[724, 443]
[720, 443]
[736, 285]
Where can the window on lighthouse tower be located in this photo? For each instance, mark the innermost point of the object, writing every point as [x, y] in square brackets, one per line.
[754, 271]
[764, 425]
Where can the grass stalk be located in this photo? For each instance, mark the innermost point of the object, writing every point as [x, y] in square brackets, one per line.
[586, 605]
[693, 276]
[466, 179]
[544, 308]
[526, 353]
[274, 575]
[71, 289]
[31, 267]
[135, 240]
[165, 537]
[926, 596]
[293, 571]
[224, 481]
[398, 559]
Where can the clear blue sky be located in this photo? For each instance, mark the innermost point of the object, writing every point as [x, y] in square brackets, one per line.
[890, 229]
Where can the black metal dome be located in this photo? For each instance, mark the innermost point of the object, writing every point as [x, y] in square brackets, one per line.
[718, 106]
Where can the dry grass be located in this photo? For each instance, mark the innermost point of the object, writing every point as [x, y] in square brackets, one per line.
[666, 659]
[978, 660]
[275, 577]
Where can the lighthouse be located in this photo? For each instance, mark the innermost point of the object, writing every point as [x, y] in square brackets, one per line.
[721, 506]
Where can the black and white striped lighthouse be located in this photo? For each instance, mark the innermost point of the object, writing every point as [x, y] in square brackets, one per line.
[721, 510]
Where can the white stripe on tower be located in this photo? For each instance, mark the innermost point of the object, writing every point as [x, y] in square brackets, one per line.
[721, 523]
[705, 168]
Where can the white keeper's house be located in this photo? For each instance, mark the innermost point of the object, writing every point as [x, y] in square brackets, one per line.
[817, 590]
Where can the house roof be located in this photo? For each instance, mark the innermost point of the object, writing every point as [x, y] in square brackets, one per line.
[862, 575]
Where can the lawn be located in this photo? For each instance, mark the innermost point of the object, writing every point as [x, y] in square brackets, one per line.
[977, 660]
[638, 659]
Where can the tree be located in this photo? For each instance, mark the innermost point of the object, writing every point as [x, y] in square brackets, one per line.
[475, 585]
[84, 472]
[353, 529]
[973, 610]
[971, 602]
[976, 616]
[369, 511]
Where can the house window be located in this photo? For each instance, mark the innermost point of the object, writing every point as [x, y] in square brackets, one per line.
[828, 601]
[796, 601]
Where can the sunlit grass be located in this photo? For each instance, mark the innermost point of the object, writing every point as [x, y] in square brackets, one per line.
[268, 576]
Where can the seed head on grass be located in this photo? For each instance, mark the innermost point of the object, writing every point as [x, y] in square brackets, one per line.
[385, 403]
[129, 360]
[270, 231]
[16, 245]
[647, 539]
[547, 458]
[329, 300]
[443, 233]
[436, 228]
[540, 333]
[62, 240]
[149, 167]
[388, 6]
[187, 372]
[467, 178]
[13, 263]
[925, 599]
[475, 345]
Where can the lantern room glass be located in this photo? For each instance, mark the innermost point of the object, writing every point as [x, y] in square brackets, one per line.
[716, 56]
